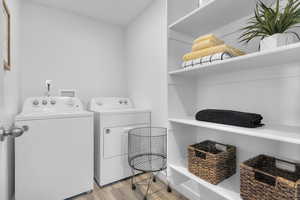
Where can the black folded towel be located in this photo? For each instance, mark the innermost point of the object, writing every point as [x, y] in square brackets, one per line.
[229, 117]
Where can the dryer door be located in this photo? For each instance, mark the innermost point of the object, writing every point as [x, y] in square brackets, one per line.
[116, 140]
[114, 165]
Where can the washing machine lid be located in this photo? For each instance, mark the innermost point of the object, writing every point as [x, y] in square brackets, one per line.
[45, 116]
[113, 105]
[51, 108]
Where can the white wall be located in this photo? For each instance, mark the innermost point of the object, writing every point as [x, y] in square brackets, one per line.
[74, 51]
[146, 61]
[9, 101]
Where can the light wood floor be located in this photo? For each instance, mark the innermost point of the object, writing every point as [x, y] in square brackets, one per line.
[122, 191]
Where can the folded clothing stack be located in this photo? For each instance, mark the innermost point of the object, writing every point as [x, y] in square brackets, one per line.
[206, 59]
[208, 49]
[229, 117]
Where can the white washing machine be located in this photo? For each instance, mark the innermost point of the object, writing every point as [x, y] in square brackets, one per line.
[54, 158]
[113, 118]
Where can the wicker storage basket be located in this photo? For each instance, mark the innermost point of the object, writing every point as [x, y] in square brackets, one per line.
[208, 162]
[261, 179]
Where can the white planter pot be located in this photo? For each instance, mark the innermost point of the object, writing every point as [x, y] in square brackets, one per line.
[277, 40]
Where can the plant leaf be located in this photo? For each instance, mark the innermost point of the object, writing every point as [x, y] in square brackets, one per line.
[271, 20]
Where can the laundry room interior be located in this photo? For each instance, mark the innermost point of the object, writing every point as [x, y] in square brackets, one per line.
[150, 99]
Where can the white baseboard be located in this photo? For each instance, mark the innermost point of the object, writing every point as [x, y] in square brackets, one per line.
[187, 192]
[183, 189]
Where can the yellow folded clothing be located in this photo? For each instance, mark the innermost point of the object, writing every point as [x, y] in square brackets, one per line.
[213, 50]
[206, 44]
[207, 37]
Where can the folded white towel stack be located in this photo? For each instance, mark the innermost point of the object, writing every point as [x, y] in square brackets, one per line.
[207, 59]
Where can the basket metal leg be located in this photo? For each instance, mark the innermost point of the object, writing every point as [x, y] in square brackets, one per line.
[154, 178]
[133, 186]
[149, 185]
[169, 189]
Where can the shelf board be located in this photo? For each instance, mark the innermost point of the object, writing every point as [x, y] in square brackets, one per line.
[278, 56]
[212, 16]
[218, 189]
[288, 134]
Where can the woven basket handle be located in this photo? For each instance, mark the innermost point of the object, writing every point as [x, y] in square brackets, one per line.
[272, 180]
[200, 154]
[265, 178]
[221, 147]
[285, 165]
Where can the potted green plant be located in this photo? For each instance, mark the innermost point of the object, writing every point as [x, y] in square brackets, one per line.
[273, 24]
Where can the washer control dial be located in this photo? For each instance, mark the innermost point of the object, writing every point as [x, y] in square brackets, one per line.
[53, 101]
[35, 102]
[44, 102]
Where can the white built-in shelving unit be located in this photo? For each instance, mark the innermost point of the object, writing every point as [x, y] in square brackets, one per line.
[218, 189]
[211, 16]
[289, 134]
[279, 56]
[262, 82]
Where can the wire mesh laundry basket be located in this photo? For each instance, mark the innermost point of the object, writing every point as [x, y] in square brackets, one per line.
[147, 152]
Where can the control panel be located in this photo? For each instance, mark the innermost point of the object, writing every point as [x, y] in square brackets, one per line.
[109, 103]
[52, 104]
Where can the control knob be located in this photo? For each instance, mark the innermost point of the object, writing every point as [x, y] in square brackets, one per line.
[35, 102]
[53, 102]
[44, 102]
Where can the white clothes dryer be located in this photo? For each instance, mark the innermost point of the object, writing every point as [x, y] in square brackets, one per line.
[113, 117]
